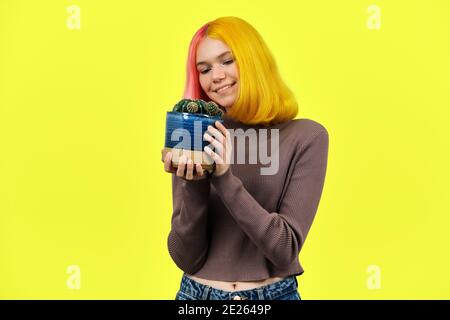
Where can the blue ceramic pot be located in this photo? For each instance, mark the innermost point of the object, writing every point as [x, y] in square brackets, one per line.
[184, 135]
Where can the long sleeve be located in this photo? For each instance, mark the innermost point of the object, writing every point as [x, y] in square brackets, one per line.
[280, 235]
[188, 239]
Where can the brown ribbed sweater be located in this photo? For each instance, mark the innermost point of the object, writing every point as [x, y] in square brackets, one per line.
[246, 226]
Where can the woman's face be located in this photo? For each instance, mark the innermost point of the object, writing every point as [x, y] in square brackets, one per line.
[218, 73]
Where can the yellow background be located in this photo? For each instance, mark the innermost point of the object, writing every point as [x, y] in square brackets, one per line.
[82, 120]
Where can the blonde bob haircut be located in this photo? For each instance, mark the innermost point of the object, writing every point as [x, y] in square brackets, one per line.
[263, 96]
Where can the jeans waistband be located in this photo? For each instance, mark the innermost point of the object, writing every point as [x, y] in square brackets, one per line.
[196, 290]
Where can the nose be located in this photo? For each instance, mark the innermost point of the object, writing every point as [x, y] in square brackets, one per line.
[217, 74]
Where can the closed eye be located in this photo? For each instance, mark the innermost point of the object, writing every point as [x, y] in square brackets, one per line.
[207, 70]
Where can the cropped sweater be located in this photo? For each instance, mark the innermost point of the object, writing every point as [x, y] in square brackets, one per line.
[247, 225]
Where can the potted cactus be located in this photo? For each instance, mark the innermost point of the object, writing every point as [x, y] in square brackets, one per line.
[185, 127]
[198, 106]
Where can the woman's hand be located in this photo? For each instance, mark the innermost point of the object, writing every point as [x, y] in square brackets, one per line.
[185, 168]
[222, 145]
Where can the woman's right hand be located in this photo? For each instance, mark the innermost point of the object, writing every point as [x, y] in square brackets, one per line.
[185, 168]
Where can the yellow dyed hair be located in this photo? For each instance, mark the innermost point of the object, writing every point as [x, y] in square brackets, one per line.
[263, 96]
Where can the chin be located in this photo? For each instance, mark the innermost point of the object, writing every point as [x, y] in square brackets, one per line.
[225, 104]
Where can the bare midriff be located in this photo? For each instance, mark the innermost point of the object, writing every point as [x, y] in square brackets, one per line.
[234, 286]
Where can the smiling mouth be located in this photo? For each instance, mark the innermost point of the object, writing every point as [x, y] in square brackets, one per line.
[225, 88]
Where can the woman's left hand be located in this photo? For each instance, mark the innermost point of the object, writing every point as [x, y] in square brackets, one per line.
[221, 141]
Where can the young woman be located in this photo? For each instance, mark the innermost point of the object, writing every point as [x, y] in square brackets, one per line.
[237, 233]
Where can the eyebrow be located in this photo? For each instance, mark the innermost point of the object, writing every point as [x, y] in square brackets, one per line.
[218, 57]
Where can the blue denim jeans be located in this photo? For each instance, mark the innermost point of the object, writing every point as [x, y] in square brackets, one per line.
[285, 289]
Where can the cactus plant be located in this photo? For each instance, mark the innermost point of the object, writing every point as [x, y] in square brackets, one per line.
[198, 106]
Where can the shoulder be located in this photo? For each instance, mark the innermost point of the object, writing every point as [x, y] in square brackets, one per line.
[308, 125]
[304, 130]
[308, 140]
